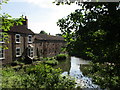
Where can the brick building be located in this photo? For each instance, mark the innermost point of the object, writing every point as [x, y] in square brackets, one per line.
[23, 42]
[20, 43]
[48, 45]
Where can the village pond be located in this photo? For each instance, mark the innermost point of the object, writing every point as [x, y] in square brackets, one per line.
[74, 67]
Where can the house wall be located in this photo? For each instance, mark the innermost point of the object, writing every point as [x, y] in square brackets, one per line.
[48, 48]
[42, 48]
[54, 48]
[38, 50]
[10, 53]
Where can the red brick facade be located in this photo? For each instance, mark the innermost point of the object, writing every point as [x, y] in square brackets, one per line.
[47, 45]
[22, 41]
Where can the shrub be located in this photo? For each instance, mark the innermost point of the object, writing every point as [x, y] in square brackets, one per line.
[51, 62]
[105, 74]
[35, 76]
[61, 57]
[48, 77]
[11, 79]
[15, 63]
[65, 82]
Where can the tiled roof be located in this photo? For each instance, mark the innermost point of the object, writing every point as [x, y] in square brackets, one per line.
[21, 29]
[48, 37]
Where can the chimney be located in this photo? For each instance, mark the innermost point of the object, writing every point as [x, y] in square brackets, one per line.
[25, 22]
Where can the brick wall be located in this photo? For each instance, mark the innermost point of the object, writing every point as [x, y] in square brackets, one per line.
[48, 48]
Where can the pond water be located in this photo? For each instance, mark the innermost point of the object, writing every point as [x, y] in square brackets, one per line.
[72, 67]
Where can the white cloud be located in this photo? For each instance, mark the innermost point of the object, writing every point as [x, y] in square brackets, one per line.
[48, 27]
[41, 3]
[49, 4]
[58, 12]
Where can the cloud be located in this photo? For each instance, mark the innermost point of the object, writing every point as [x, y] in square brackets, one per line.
[41, 3]
[49, 4]
[56, 12]
[48, 27]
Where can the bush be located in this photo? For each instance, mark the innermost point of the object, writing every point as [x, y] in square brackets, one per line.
[35, 76]
[61, 57]
[12, 79]
[66, 82]
[48, 77]
[15, 63]
[51, 62]
[105, 74]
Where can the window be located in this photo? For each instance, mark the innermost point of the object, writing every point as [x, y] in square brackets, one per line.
[18, 52]
[1, 37]
[29, 38]
[17, 37]
[2, 53]
[30, 51]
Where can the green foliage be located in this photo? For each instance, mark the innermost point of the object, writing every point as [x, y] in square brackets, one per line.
[42, 32]
[51, 62]
[11, 79]
[106, 75]
[3, 1]
[65, 82]
[48, 58]
[46, 76]
[37, 76]
[6, 22]
[61, 57]
[19, 62]
[92, 32]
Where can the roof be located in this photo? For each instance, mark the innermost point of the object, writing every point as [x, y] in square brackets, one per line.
[22, 29]
[48, 37]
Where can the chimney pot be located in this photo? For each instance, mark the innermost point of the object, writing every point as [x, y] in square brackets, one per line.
[25, 17]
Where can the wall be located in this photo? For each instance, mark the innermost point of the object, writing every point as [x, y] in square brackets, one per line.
[48, 48]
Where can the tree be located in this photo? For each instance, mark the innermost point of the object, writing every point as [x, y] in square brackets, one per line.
[93, 33]
[42, 32]
[95, 29]
[6, 22]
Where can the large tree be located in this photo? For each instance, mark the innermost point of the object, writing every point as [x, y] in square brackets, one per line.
[6, 22]
[93, 32]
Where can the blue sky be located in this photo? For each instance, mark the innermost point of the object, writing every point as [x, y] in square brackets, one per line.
[41, 14]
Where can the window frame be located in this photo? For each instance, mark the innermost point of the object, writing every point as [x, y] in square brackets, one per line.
[17, 52]
[29, 40]
[31, 51]
[17, 38]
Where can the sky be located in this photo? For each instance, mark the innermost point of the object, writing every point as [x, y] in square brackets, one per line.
[41, 14]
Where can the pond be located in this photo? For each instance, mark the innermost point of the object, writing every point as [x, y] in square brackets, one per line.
[73, 67]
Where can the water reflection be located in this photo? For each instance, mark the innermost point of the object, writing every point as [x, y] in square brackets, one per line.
[75, 67]
[71, 67]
